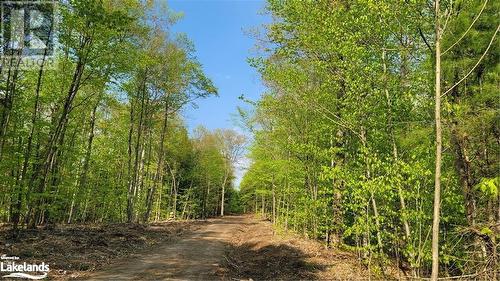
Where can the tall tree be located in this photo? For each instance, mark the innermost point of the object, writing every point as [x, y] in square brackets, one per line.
[232, 147]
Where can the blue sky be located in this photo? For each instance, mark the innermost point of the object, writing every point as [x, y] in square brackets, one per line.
[218, 30]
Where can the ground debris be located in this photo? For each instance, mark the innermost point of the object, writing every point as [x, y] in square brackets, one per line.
[71, 250]
[256, 253]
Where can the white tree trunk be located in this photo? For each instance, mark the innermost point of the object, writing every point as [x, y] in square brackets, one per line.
[437, 181]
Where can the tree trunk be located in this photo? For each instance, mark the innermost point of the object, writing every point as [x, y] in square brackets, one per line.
[158, 178]
[206, 200]
[395, 150]
[262, 204]
[130, 208]
[86, 161]
[175, 183]
[437, 180]
[8, 101]
[44, 168]
[27, 153]
[223, 194]
[187, 200]
[274, 202]
[372, 196]
[132, 192]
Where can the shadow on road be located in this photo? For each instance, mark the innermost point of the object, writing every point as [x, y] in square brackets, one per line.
[271, 262]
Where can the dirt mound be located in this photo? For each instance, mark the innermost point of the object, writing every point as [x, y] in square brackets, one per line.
[71, 249]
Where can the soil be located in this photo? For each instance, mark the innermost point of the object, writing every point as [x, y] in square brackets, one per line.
[229, 248]
[72, 250]
[258, 253]
[195, 256]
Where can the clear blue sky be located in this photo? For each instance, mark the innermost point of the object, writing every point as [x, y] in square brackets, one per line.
[218, 30]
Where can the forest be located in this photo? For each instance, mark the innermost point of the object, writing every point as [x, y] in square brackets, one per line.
[378, 132]
[99, 137]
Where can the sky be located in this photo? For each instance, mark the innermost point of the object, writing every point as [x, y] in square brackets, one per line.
[219, 31]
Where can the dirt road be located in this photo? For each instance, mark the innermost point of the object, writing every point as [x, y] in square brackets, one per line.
[237, 248]
[195, 256]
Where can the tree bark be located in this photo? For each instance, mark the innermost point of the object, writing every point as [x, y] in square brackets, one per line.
[44, 168]
[8, 101]
[274, 201]
[86, 161]
[132, 191]
[158, 178]
[437, 180]
[223, 193]
[372, 196]
[29, 148]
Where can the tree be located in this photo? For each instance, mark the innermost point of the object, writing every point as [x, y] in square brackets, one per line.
[437, 173]
[232, 147]
[342, 137]
[98, 138]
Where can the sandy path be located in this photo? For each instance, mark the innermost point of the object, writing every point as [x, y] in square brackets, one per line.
[195, 256]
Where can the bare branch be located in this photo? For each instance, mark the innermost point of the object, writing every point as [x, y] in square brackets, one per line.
[463, 35]
[425, 40]
[478, 62]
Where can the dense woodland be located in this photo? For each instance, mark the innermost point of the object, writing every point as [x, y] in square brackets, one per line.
[376, 110]
[379, 132]
[99, 137]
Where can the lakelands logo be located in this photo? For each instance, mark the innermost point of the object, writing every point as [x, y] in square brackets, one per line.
[16, 269]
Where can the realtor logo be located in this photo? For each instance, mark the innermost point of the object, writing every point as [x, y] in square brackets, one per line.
[27, 32]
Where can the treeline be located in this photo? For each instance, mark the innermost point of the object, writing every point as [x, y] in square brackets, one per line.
[344, 146]
[98, 137]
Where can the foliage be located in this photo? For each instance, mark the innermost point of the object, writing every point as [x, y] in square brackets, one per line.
[99, 138]
[343, 146]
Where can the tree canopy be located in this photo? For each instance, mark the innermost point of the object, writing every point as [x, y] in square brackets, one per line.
[344, 137]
